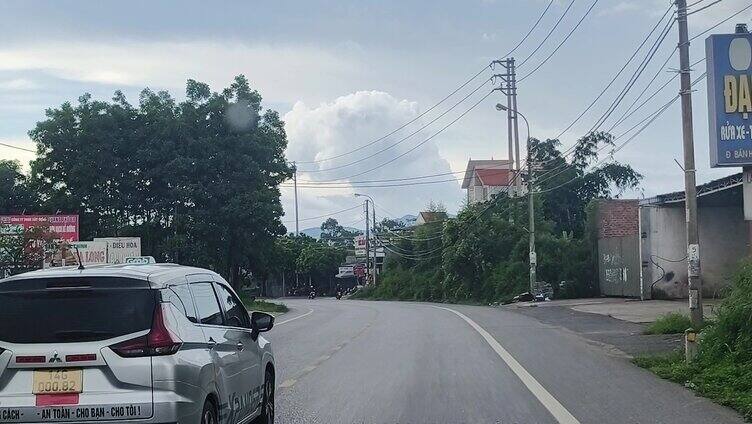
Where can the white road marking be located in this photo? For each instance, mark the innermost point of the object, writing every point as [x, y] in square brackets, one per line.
[547, 399]
[294, 318]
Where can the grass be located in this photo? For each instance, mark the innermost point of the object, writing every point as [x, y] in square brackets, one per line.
[726, 382]
[263, 306]
[670, 323]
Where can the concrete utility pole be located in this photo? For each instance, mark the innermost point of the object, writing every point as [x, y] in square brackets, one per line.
[531, 218]
[295, 185]
[690, 184]
[375, 245]
[368, 250]
[509, 88]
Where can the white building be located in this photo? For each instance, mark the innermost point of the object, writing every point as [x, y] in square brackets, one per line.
[484, 178]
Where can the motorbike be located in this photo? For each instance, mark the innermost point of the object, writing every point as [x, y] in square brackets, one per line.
[312, 295]
[339, 295]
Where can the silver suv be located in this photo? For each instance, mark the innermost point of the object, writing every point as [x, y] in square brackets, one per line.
[156, 343]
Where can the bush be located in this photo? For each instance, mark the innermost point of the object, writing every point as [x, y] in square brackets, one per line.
[670, 323]
[722, 370]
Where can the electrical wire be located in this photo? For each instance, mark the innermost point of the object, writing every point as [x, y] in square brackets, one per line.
[403, 139]
[618, 74]
[720, 23]
[543, 42]
[325, 215]
[463, 85]
[17, 147]
[529, 74]
[452, 122]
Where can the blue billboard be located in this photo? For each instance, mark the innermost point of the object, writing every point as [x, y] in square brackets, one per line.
[729, 61]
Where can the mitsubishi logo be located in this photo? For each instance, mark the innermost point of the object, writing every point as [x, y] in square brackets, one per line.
[55, 358]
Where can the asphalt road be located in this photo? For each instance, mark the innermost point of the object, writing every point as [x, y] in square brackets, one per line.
[389, 362]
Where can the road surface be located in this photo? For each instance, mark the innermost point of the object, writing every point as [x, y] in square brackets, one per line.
[389, 362]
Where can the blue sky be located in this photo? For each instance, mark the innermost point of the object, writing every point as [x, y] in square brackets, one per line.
[342, 74]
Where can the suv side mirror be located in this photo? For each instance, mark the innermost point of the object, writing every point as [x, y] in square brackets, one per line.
[260, 322]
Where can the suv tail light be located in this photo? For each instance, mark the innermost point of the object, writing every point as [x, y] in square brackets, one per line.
[159, 341]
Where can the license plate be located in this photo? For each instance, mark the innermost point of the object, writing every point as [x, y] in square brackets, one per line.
[58, 381]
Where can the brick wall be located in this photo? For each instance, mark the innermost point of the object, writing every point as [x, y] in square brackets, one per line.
[617, 218]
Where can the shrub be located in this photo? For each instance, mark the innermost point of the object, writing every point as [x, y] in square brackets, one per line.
[670, 323]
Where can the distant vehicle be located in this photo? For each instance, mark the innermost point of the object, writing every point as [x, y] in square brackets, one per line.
[154, 343]
[312, 294]
[339, 294]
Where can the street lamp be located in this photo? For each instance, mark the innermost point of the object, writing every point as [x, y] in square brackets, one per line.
[368, 250]
[530, 205]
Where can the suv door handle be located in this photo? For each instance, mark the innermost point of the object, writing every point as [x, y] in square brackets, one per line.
[240, 345]
[211, 344]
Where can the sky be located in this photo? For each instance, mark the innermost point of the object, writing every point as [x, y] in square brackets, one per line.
[343, 74]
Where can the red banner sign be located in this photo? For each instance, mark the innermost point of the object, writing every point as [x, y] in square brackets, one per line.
[65, 226]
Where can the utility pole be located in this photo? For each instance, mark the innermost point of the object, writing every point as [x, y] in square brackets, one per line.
[375, 245]
[509, 88]
[295, 185]
[531, 218]
[690, 187]
[368, 250]
[516, 165]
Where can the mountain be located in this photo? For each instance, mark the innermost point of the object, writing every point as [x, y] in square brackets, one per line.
[407, 220]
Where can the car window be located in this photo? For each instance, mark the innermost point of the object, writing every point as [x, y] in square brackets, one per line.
[180, 296]
[235, 313]
[206, 303]
[62, 310]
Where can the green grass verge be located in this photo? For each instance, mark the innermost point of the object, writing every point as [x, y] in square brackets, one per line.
[727, 382]
[670, 323]
[263, 306]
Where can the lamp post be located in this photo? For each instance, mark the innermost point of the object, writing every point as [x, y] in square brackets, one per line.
[530, 203]
[368, 253]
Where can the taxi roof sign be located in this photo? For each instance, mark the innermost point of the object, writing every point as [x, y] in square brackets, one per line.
[140, 260]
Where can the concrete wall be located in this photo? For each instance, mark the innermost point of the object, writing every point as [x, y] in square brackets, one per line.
[618, 248]
[722, 244]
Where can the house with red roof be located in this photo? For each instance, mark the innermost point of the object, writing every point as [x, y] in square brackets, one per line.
[485, 178]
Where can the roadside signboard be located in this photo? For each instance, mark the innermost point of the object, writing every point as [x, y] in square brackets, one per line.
[360, 246]
[345, 272]
[65, 226]
[92, 252]
[359, 270]
[729, 64]
[119, 248]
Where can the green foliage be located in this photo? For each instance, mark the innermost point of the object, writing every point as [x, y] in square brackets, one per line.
[722, 370]
[15, 195]
[337, 235]
[197, 180]
[670, 323]
[263, 306]
[482, 255]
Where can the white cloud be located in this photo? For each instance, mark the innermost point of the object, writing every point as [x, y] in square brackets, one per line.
[285, 72]
[347, 123]
[622, 7]
[18, 84]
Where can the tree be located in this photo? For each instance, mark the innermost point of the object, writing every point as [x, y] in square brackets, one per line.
[336, 235]
[482, 255]
[15, 195]
[198, 181]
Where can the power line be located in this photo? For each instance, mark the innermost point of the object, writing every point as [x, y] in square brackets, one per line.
[17, 147]
[347, 185]
[543, 42]
[560, 44]
[463, 85]
[720, 23]
[403, 139]
[324, 216]
[613, 80]
[452, 122]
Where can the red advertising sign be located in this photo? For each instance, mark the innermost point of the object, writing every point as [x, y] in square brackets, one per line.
[65, 226]
[359, 270]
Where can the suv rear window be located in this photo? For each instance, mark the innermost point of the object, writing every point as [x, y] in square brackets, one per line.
[68, 310]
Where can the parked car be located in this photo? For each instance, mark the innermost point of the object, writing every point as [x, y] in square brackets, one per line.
[154, 343]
